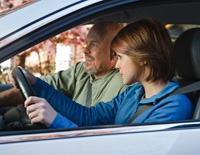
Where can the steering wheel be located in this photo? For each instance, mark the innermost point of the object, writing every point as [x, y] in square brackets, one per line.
[16, 118]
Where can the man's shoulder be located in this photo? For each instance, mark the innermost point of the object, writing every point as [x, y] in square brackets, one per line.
[80, 64]
[78, 68]
[73, 71]
[117, 82]
[116, 75]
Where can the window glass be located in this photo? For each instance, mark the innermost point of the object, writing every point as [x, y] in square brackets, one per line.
[57, 53]
[7, 6]
[62, 51]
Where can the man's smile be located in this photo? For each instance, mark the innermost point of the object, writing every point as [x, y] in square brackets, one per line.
[89, 59]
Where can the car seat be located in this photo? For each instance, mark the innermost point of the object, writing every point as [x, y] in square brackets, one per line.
[187, 53]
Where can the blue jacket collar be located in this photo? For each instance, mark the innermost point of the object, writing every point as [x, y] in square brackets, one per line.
[170, 87]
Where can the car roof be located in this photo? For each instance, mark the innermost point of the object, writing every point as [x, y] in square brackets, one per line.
[40, 10]
[29, 14]
[37, 14]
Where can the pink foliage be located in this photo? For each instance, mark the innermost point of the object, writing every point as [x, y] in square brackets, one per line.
[16, 2]
[49, 47]
[6, 5]
[74, 36]
[80, 31]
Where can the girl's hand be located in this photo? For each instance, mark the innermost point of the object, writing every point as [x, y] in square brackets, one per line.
[39, 110]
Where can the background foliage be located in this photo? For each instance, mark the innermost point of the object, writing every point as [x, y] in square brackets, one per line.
[45, 51]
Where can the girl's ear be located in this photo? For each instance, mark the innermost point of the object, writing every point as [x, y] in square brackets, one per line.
[142, 63]
[112, 54]
[114, 58]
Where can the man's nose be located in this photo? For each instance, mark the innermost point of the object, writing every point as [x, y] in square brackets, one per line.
[86, 50]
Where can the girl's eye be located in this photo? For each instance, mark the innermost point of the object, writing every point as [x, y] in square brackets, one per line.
[119, 56]
[94, 45]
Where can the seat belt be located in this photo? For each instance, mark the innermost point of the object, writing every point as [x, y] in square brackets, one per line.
[89, 95]
[139, 112]
[183, 90]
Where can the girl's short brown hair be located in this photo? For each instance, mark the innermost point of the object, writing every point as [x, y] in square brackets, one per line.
[148, 40]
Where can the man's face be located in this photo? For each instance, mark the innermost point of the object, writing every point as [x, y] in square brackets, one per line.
[97, 55]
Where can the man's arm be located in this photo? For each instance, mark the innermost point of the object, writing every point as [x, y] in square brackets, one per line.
[65, 81]
[11, 97]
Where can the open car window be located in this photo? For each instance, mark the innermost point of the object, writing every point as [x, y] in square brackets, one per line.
[63, 51]
[50, 56]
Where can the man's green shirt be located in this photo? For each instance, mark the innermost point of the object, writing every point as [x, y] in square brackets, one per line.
[73, 82]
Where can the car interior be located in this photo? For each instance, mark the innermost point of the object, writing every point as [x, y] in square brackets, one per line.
[187, 52]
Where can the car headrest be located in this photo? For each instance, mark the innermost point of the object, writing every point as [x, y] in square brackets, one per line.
[187, 53]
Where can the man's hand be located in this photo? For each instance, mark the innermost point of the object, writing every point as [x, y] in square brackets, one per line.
[39, 110]
[30, 77]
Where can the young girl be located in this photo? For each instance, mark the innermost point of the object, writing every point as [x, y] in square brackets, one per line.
[146, 58]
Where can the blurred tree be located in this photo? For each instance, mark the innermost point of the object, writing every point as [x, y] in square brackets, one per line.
[9, 5]
[46, 62]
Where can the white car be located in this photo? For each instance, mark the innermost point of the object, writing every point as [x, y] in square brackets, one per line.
[34, 23]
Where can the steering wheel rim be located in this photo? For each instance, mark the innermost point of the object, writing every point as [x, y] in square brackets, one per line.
[18, 114]
[22, 83]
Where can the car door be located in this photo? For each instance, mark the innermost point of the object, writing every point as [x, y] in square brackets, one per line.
[154, 138]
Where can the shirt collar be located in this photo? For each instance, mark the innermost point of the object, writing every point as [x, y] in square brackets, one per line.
[103, 78]
[170, 87]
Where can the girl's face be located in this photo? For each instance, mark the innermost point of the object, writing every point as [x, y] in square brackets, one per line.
[129, 70]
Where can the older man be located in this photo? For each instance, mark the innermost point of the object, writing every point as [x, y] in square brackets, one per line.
[87, 82]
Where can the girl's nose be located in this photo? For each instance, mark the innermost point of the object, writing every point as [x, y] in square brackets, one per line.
[117, 66]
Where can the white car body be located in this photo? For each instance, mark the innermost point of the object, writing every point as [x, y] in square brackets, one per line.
[153, 139]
